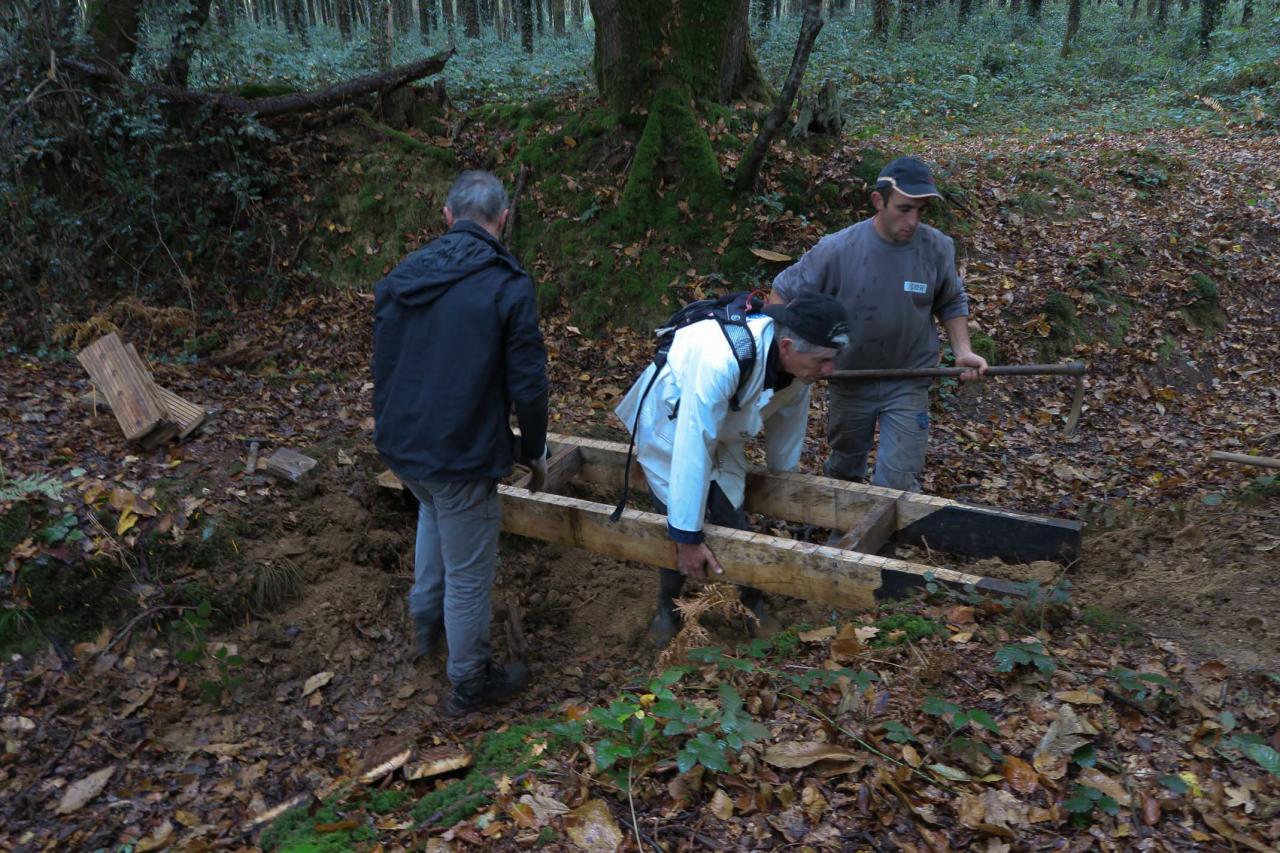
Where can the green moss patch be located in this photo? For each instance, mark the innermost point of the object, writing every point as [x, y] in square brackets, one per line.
[904, 628]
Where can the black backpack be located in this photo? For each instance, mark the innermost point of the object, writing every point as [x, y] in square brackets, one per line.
[730, 311]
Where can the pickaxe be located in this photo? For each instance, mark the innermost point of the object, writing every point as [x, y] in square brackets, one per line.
[1076, 369]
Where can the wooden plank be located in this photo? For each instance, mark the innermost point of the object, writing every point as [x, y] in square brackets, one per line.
[134, 399]
[562, 467]
[872, 530]
[943, 524]
[818, 573]
[187, 416]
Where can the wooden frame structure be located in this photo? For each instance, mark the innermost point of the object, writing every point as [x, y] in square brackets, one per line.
[849, 576]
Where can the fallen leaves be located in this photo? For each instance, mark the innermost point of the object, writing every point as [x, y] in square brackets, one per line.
[80, 793]
[315, 682]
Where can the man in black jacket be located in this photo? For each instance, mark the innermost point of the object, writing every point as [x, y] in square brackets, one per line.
[456, 346]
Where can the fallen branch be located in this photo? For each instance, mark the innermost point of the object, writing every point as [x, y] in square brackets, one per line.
[809, 28]
[337, 95]
[1245, 459]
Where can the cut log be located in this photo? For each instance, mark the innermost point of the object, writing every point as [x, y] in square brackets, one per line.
[942, 524]
[287, 464]
[128, 388]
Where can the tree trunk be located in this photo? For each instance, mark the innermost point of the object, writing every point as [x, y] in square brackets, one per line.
[663, 56]
[642, 45]
[1033, 9]
[880, 21]
[185, 30]
[403, 11]
[809, 28]
[112, 25]
[1246, 14]
[381, 32]
[344, 20]
[448, 14]
[764, 14]
[906, 17]
[223, 14]
[575, 14]
[470, 10]
[1073, 25]
[557, 16]
[1209, 12]
[295, 20]
[524, 11]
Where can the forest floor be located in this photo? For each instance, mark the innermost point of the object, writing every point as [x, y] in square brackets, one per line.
[1141, 710]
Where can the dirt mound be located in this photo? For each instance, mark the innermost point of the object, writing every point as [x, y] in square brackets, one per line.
[1207, 580]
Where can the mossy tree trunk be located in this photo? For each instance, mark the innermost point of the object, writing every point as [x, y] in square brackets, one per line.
[185, 30]
[663, 57]
[1073, 26]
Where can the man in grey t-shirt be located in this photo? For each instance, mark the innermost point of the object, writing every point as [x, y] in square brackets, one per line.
[894, 275]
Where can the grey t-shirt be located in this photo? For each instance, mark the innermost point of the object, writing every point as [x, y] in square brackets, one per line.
[892, 291]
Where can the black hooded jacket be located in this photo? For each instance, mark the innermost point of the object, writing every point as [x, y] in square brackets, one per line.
[456, 345]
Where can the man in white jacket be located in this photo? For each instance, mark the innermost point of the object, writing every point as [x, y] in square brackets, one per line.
[691, 442]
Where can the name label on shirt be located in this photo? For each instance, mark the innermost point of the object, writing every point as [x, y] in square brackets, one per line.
[915, 287]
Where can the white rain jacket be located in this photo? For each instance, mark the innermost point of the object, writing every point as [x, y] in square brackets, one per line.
[683, 447]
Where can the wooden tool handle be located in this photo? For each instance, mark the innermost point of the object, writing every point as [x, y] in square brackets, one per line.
[1245, 459]
[1074, 369]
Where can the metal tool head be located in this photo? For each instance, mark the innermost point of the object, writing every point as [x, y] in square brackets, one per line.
[1077, 401]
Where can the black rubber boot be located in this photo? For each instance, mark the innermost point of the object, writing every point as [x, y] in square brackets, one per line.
[666, 622]
[427, 634]
[765, 624]
[495, 683]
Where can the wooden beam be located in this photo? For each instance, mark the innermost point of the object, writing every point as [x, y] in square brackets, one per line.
[872, 530]
[943, 524]
[831, 576]
[562, 467]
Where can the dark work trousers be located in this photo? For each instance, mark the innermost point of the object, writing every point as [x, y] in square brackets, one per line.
[720, 511]
[901, 408]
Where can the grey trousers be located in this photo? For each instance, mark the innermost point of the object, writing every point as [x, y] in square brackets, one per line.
[902, 409]
[454, 563]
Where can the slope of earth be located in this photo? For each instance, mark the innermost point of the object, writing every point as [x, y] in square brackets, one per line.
[106, 741]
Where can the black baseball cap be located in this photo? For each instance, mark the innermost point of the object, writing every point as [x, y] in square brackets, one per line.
[909, 176]
[816, 317]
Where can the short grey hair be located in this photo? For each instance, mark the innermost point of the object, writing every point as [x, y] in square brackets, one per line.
[477, 195]
[780, 331]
